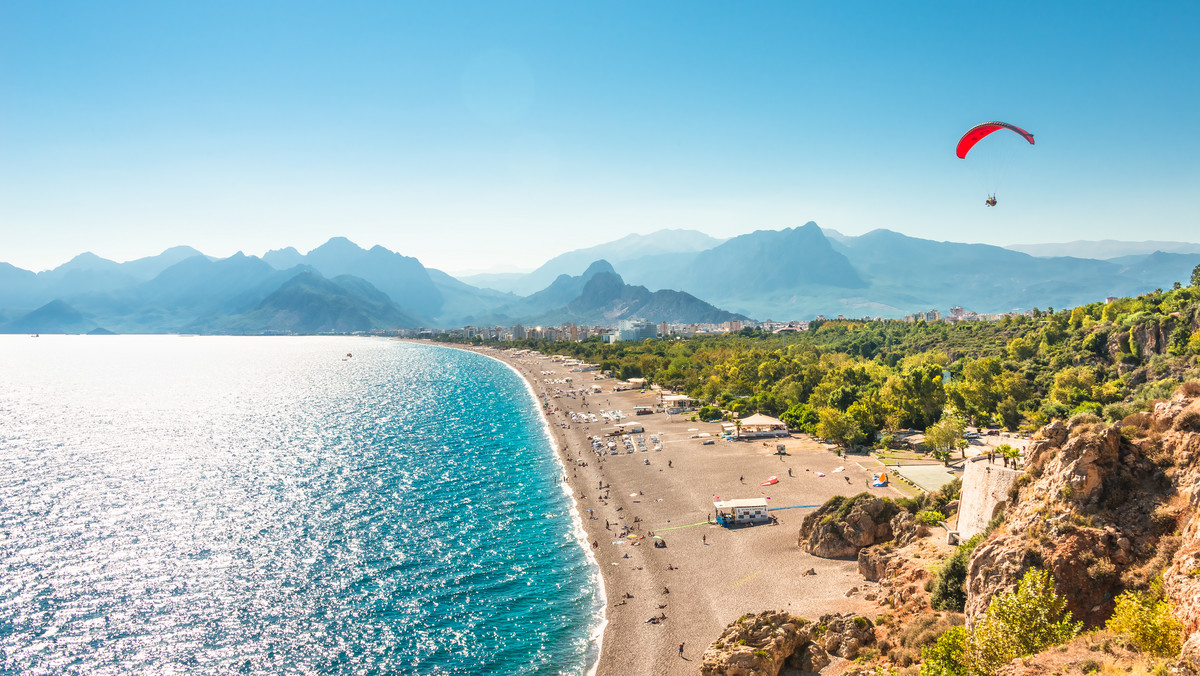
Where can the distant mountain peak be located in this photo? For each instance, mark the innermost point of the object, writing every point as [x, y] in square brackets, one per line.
[88, 261]
[598, 267]
[337, 245]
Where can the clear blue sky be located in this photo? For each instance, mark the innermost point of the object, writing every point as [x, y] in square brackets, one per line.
[474, 135]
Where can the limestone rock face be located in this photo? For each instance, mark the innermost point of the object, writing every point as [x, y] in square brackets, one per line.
[773, 641]
[902, 572]
[758, 645]
[1182, 579]
[906, 530]
[845, 635]
[835, 532]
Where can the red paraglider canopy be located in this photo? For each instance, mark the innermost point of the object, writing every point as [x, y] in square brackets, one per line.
[976, 133]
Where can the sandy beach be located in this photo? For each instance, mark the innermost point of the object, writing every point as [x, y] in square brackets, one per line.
[707, 575]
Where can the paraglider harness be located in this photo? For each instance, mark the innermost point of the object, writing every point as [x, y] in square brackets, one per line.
[990, 201]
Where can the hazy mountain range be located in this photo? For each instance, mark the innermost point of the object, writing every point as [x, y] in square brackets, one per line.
[1105, 249]
[795, 273]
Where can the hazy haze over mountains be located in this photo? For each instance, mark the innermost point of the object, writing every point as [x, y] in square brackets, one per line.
[793, 273]
[624, 249]
[1104, 249]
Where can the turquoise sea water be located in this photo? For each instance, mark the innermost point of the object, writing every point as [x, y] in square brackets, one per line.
[267, 505]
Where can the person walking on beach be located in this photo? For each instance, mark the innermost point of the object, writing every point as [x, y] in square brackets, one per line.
[681, 650]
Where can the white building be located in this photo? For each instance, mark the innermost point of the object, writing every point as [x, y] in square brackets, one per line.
[741, 512]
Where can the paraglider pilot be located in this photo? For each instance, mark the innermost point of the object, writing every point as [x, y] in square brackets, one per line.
[990, 201]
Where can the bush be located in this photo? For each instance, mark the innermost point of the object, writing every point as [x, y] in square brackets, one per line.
[947, 656]
[1188, 421]
[949, 590]
[930, 518]
[1020, 623]
[1017, 624]
[1149, 622]
[709, 413]
[952, 489]
[1102, 571]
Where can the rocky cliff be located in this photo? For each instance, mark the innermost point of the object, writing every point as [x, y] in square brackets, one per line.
[1105, 508]
[844, 525]
[773, 642]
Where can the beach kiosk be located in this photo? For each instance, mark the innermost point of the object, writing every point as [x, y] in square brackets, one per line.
[744, 512]
[759, 425]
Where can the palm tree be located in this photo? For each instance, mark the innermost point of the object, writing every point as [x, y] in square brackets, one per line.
[1009, 453]
[737, 424]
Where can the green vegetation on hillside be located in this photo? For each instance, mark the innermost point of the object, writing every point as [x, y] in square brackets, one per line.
[1022, 622]
[847, 380]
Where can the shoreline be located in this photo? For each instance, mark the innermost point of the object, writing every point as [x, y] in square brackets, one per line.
[596, 635]
[701, 576]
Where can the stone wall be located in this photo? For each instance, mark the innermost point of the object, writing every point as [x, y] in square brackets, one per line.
[984, 491]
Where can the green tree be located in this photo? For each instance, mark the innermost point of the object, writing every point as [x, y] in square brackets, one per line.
[915, 397]
[1009, 453]
[943, 435]
[1179, 339]
[1009, 414]
[949, 590]
[1196, 276]
[837, 426]
[1019, 623]
[1020, 349]
[801, 417]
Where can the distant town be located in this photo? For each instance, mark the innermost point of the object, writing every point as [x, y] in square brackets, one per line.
[640, 329]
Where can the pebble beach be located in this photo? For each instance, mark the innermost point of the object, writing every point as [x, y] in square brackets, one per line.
[702, 576]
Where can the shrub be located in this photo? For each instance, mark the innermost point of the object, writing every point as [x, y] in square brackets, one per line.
[947, 656]
[901, 656]
[1020, 623]
[1102, 571]
[1119, 410]
[930, 517]
[1149, 622]
[1188, 421]
[949, 585]
[952, 489]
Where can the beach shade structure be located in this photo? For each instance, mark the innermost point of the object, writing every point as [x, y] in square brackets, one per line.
[759, 425]
[770, 481]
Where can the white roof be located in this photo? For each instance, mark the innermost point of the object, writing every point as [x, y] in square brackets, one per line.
[676, 397]
[745, 502]
[760, 419]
